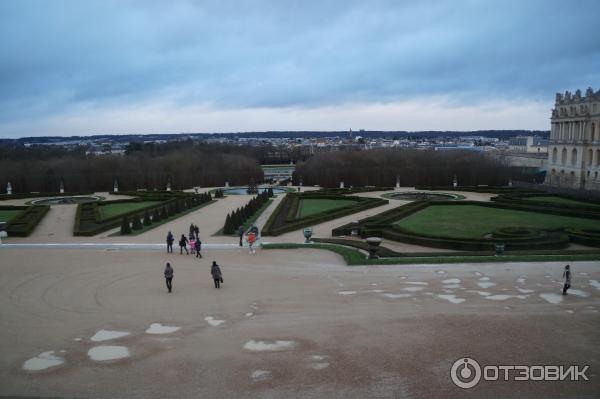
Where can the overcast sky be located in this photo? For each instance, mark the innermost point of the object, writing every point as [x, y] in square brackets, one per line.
[98, 67]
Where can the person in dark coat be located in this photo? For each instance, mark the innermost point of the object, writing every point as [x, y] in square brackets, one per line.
[241, 233]
[192, 230]
[197, 230]
[170, 240]
[183, 241]
[217, 276]
[198, 247]
[567, 277]
[169, 276]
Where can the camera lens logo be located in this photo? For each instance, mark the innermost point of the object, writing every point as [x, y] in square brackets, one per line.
[465, 373]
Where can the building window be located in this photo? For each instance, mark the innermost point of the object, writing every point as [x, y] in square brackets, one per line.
[593, 130]
[554, 155]
[590, 156]
[573, 156]
[564, 156]
[597, 157]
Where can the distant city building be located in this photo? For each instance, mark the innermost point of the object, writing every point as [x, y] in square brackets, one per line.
[528, 144]
[574, 151]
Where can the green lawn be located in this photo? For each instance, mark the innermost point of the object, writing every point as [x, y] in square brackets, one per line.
[109, 210]
[311, 206]
[7, 215]
[561, 201]
[473, 221]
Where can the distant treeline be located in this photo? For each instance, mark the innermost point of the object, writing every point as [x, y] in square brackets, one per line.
[182, 166]
[399, 134]
[415, 167]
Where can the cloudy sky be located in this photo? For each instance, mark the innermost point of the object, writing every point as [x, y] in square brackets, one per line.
[97, 67]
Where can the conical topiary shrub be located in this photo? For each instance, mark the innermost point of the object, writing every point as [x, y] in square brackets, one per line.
[147, 220]
[125, 227]
[137, 223]
[156, 216]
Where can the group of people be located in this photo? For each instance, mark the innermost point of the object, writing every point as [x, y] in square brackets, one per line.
[193, 240]
[215, 272]
[251, 236]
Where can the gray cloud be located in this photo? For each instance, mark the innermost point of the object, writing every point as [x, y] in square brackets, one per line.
[59, 55]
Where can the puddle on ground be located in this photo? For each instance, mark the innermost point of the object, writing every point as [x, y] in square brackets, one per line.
[214, 322]
[451, 281]
[595, 284]
[395, 296]
[107, 335]
[106, 353]
[260, 375]
[578, 293]
[524, 290]
[157, 328]
[412, 289]
[451, 298]
[552, 298]
[43, 361]
[266, 346]
[416, 282]
[485, 284]
[503, 297]
[346, 292]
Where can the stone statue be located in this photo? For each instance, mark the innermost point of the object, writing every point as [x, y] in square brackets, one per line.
[62, 187]
[577, 94]
[558, 98]
[9, 189]
[116, 187]
[589, 93]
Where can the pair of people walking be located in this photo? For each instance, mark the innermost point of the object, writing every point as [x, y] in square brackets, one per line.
[215, 272]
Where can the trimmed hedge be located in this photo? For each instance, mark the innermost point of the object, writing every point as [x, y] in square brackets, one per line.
[40, 195]
[25, 222]
[88, 221]
[480, 189]
[279, 222]
[382, 225]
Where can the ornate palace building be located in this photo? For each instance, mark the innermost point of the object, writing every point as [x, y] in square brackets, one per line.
[574, 149]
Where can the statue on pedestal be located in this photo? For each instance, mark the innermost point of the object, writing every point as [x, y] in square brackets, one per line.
[9, 189]
[116, 187]
[455, 181]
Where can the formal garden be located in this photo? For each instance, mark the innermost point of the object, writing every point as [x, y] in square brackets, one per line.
[146, 211]
[299, 210]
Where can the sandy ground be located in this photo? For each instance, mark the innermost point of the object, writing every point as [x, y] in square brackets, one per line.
[353, 332]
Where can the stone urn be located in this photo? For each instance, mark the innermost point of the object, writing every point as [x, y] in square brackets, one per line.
[354, 228]
[373, 243]
[307, 234]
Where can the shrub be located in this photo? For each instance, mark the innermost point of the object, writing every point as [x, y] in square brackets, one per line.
[147, 219]
[137, 224]
[125, 227]
[156, 215]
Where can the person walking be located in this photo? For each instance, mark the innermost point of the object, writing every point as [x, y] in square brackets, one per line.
[169, 276]
[170, 240]
[216, 274]
[192, 230]
[198, 247]
[251, 242]
[567, 277]
[197, 230]
[183, 241]
[241, 233]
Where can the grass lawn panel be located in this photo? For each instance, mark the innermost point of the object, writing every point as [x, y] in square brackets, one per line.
[472, 221]
[561, 201]
[312, 206]
[109, 210]
[7, 215]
